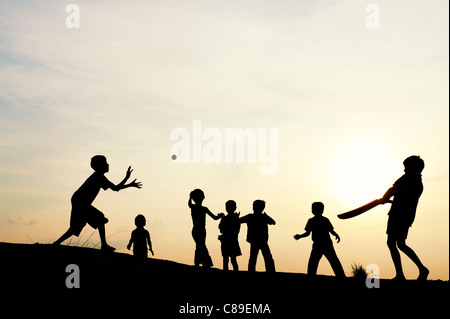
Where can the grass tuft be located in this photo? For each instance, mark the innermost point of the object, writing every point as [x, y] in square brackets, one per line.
[358, 271]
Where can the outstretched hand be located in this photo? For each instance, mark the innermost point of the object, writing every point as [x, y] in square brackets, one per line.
[129, 171]
[135, 184]
[297, 237]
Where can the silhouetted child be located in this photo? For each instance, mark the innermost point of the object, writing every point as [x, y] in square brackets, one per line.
[229, 227]
[321, 227]
[140, 238]
[258, 236]
[82, 210]
[406, 191]
[198, 214]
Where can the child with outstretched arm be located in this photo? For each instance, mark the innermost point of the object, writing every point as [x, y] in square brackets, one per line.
[198, 214]
[321, 228]
[82, 210]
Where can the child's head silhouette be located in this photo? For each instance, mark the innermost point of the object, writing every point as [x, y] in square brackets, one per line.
[317, 208]
[198, 196]
[258, 206]
[99, 164]
[230, 206]
[140, 221]
[414, 164]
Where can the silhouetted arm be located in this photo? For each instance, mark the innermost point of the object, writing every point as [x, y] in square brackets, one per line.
[244, 219]
[190, 203]
[149, 243]
[130, 242]
[305, 234]
[122, 184]
[269, 219]
[332, 232]
[220, 215]
[389, 193]
[119, 187]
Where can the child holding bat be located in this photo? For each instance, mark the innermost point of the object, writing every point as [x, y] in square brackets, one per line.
[406, 192]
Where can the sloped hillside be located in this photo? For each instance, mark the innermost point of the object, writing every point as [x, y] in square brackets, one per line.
[39, 274]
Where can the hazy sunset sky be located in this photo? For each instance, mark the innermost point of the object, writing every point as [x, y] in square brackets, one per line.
[349, 103]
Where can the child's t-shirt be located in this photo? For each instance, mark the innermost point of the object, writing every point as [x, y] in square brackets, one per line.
[198, 214]
[407, 190]
[230, 225]
[257, 227]
[139, 238]
[90, 188]
[320, 228]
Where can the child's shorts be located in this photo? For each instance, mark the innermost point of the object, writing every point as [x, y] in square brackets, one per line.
[85, 214]
[397, 229]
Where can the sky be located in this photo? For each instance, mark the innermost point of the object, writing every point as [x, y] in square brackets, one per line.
[332, 96]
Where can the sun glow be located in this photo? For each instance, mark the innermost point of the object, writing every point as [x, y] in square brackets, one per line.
[363, 171]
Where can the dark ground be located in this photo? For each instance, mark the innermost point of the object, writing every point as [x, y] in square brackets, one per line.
[33, 278]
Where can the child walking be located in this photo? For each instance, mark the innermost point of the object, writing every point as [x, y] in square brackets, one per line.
[229, 227]
[140, 238]
[321, 227]
[82, 210]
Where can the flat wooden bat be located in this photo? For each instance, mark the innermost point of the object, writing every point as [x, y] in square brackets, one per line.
[363, 209]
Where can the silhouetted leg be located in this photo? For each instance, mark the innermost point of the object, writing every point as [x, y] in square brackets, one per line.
[199, 240]
[395, 254]
[64, 236]
[412, 255]
[225, 262]
[206, 258]
[268, 259]
[254, 250]
[102, 233]
[197, 257]
[201, 252]
[234, 263]
[333, 259]
[202, 256]
[313, 263]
